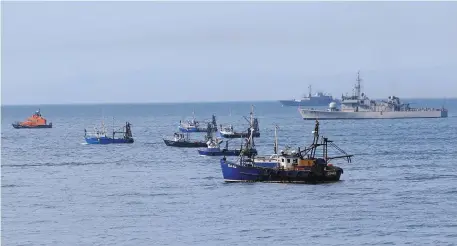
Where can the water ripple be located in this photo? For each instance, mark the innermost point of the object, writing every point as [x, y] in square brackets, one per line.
[400, 188]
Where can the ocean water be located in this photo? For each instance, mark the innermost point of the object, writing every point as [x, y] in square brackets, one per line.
[401, 187]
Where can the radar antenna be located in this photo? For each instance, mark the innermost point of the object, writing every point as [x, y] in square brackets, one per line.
[357, 86]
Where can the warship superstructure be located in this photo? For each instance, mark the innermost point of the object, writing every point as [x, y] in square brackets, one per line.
[318, 99]
[359, 106]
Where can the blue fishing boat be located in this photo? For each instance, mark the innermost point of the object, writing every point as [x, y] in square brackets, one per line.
[190, 126]
[101, 136]
[302, 166]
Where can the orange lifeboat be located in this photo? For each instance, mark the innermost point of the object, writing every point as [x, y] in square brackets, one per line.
[34, 121]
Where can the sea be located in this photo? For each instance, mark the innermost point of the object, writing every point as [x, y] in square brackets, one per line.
[399, 189]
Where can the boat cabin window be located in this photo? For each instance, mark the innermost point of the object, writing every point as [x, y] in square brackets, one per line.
[288, 160]
[282, 160]
[295, 161]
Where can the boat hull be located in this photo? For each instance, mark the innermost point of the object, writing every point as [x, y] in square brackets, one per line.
[234, 172]
[182, 144]
[219, 152]
[237, 135]
[193, 129]
[313, 102]
[223, 152]
[309, 114]
[106, 140]
[17, 126]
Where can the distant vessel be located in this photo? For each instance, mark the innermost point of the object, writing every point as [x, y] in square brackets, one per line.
[318, 99]
[183, 141]
[359, 106]
[34, 121]
[101, 136]
[228, 132]
[301, 166]
[194, 126]
[214, 149]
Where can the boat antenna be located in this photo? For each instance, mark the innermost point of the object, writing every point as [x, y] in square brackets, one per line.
[251, 121]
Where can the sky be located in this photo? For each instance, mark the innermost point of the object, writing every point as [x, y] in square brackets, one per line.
[103, 52]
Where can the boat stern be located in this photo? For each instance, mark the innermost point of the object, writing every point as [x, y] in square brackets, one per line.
[332, 173]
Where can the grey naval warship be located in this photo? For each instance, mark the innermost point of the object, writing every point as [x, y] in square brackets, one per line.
[359, 106]
[318, 99]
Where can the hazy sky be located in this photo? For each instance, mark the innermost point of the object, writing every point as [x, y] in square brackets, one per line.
[76, 52]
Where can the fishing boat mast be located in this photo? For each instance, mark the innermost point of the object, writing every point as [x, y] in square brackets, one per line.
[213, 122]
[276, 140]
[128, 130]
[209, 132]
[113, 128]
[315, 140]
[103, 127]
[249, 145]
[324, 143]
[251, 122]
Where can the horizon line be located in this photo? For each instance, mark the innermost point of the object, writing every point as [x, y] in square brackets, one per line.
[182, 102]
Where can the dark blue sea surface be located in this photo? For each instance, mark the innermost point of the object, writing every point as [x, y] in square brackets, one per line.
[401, 187]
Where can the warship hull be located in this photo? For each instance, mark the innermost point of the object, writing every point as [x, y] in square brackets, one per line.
[308, 114]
